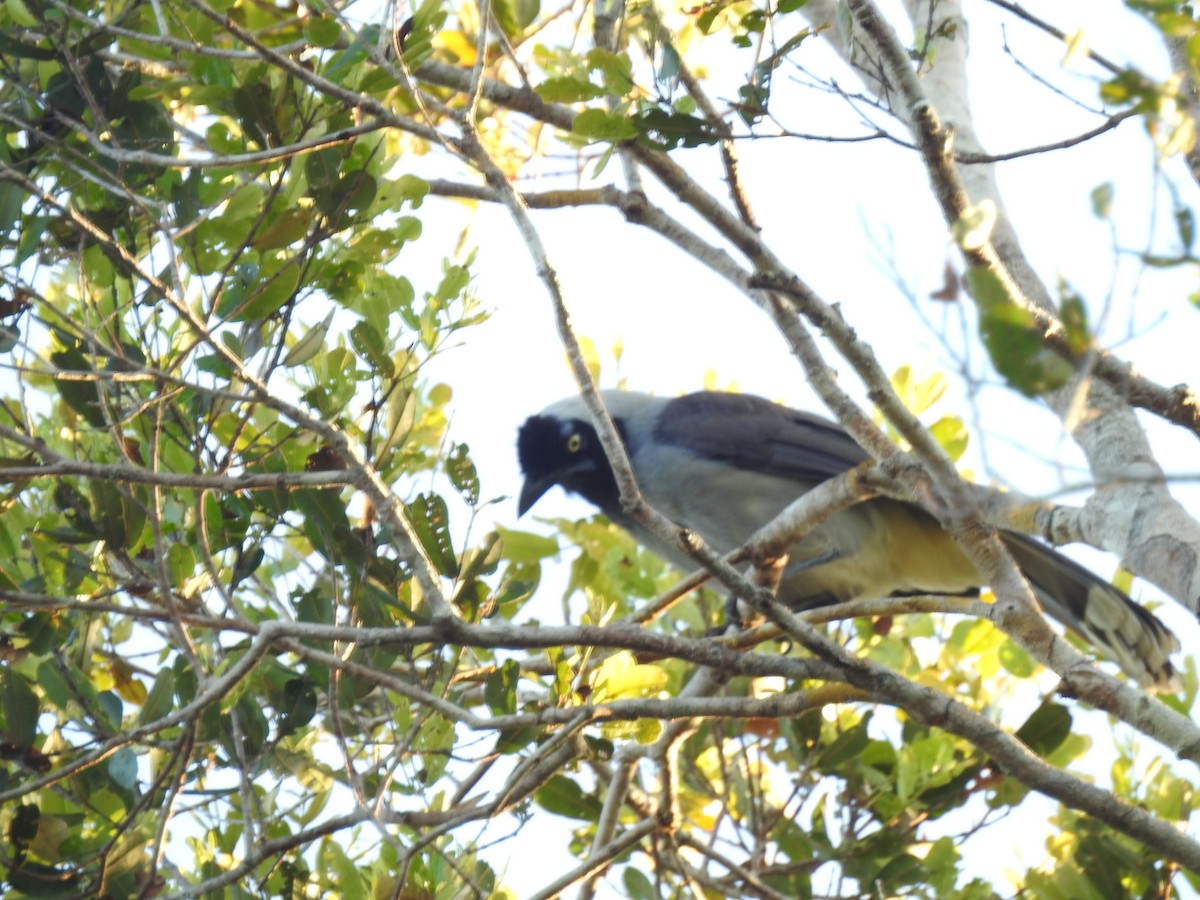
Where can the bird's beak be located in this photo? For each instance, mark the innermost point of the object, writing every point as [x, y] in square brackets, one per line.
[531, 492]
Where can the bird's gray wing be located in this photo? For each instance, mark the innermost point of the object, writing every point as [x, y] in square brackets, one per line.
[757, 435]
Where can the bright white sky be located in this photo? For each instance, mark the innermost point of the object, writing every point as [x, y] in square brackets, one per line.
[843, 215]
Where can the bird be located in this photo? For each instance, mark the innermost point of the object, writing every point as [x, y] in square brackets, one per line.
[724, 464]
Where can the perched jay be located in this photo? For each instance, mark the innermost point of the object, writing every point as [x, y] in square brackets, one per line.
[724, 465]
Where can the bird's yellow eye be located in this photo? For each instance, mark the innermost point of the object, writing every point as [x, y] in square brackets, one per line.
[574, 443]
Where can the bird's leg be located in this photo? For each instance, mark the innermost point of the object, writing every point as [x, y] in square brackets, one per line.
[738, 616]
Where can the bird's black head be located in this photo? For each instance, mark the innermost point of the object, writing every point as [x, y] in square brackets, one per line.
[563, 451]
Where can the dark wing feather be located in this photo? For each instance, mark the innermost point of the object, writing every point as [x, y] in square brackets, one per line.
[756, 434]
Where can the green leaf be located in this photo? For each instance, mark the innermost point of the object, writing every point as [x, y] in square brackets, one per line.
[568, 89]
[1071, 749]
[20, 707]
[344, 63]
[1072, 313]
[500, 690]
[53, 684]
[327, 527]
[1045, 730]
[310, 344]
[514, 739]
[602, 125]
[349, 881]
[753, 22]
[454, 281]
[666, 130]
[461, 471]
[483, 559]
[273, 289]
[516, 15]
[289, 226]
[525, 546]
[81, 393]
[975, 637]
[668, 66]
[214, 365]
[526, 12]
[122, 767]
[430, 519]
[108, 512]
[1013, 339]
[393, 193]
[236, 290]
[753, 98]
[1015, 660]
[181, 564]
[792, 840]
[637, 885]
[256, 113]
[426, 22]
[616, 68]
[846, 23]
[33, 230]
[918, 396]
[354, 193]
[313, 606]
[401, 415]
[846, 747]
[20, 49]
[322, 31]
[372, 346]
[900, 871]
[323, 169]
[621, 676]
[1019, 353]
[1132, 87]
[518, 584]
[144, 125]
[111, 707]
[951, 432]
[565, 797]
[1102, 199]
[160, 700]
[251, 720]
[298, 707]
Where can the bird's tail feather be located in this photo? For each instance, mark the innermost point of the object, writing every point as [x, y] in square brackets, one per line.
[1124, 631]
